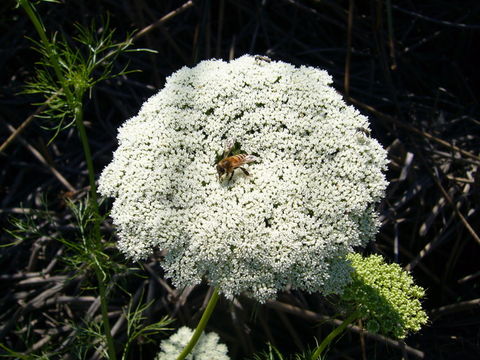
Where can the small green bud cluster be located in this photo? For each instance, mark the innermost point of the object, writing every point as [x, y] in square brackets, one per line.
[385, 296]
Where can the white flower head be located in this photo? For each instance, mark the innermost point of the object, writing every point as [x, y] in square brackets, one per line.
[207, 347]
[305, 202]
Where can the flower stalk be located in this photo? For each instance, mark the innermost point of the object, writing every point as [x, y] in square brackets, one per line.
[201, 325]
[337, 331]
[74, 101]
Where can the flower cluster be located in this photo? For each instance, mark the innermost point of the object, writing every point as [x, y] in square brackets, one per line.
[207, 347]
[309, 198]
[385, 296]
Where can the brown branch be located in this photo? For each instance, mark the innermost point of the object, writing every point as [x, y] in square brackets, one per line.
[454, 308]
[315, 317]
[160, 21]
[42, 159]
[462, 218]
[23, 125]
[413, 129]
[346, 80]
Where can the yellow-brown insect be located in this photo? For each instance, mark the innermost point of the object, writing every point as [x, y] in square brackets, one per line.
[228, 164]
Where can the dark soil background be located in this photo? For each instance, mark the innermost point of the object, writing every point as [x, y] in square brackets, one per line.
[415, 73]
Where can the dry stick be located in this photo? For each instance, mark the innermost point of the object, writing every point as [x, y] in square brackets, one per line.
[453, 308]
[457, 212]
[40, 280]
[469, 277]
[238, 314]
[163, 19]
[39, 156]
[380, 41]
[346, 80]
[455, 208]
[33, 304]
[437, 21]
[54, 261]
[16, 210]
[231, 50]
[18, 276]
[151, 296]
[413, 129]
[171, 292]
[182, 299]
[23, 125]
[438, 240]
[47, 337]
[460, 180]
[362, 341]
[434, 212]
[313, 316]
[391, 41]
[32, 260]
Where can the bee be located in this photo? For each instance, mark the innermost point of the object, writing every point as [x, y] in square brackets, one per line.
[229, 163]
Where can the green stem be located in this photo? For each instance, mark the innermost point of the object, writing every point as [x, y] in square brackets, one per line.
[103, 305]
[354, 316]
[88, 156]
[52, 54]
[96, 230]
[74, 101]
[78, 112]
[201, 325]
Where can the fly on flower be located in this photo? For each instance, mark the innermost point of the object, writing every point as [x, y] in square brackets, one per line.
[233, 158]
[262, 58]
[363, 131]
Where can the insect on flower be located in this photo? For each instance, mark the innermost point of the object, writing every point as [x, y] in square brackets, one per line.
[363, 131]
[233, 158]
[263, 58]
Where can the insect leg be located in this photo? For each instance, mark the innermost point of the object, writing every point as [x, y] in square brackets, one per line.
[244, 171]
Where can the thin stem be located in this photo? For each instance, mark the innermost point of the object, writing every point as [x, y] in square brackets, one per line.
[74, 100]
[354, 316]
[103, 305]
[52, 54]
[201, 325]
[53, 59]
[82, 133]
